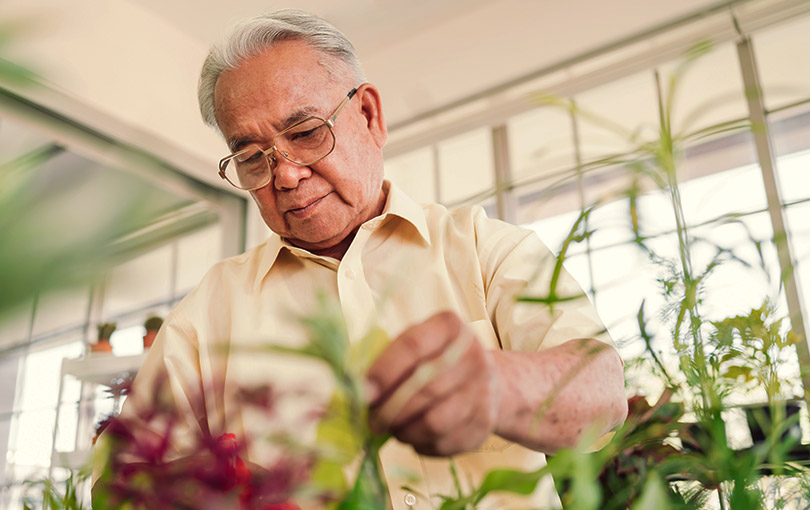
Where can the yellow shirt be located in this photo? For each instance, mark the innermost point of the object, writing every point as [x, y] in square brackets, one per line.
[402, 267]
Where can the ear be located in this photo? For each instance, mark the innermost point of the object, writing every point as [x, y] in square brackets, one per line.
[371, 108]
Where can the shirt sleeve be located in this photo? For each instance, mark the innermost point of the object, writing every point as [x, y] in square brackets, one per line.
[532, 301]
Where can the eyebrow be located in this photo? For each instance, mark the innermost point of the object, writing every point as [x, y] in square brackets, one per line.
[301, 114]
[235, 144]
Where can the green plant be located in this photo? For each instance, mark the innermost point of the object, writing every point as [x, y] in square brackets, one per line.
[66, 495]
[712, 357]
[676, 454]
[106, 329]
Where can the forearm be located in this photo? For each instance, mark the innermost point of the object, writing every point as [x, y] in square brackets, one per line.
[550, 399]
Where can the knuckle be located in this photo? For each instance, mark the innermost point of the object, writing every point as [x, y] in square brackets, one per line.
[435, 423]
[411, 341]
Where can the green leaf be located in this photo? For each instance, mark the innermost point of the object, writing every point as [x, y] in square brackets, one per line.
[9, 71]
[508, 480]
[327, 476]
[363, 353]
[655, 494]
[369, 491]
[736, 371]
[340, 431]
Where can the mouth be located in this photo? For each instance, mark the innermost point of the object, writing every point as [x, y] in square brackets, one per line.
[302, 212]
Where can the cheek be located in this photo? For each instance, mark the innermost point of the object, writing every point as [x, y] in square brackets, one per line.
[266, 204]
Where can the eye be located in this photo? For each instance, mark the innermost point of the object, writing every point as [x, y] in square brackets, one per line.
[250, 155]
[304, 135]
[253, 157]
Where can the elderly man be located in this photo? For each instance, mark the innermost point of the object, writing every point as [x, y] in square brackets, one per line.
[306, 133]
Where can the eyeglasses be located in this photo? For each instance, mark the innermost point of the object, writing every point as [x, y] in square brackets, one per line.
[304, 143]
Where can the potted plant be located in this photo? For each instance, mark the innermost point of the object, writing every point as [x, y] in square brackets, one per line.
[105, 331]
[152, 326]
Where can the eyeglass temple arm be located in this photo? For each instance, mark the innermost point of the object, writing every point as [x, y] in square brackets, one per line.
[346, 99]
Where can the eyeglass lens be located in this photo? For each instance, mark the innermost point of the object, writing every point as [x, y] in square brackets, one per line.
[303, 144]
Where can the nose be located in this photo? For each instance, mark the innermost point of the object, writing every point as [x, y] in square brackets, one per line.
[286, 174]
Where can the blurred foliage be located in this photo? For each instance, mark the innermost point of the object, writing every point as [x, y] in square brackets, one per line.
[10, 72]
[675, 454]
[343, 432]
[42, 248]
[141, 472]
[66, 495]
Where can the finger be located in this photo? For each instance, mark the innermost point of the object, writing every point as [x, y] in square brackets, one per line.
[456, 376]
[427, 371]
[423, 341]
[468, 435]
[441, 419]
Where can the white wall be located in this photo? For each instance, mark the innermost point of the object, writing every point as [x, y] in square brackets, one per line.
[120, 68]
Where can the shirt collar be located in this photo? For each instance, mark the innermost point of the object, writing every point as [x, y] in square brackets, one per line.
[401, 205]
[397, 204]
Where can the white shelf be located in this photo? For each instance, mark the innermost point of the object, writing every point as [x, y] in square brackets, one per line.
[103, 368]
[72, 460]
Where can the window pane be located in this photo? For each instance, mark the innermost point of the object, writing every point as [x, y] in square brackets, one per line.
[40, 383]
[66, 432]
[794, 177]
[734, 191]
[791, 137]
[800, 235]
[554, 229]
[624, 277]
[127, 341]
[747, 274]
[413, 172]
[34, 438]
[465, 166]
[611, 223]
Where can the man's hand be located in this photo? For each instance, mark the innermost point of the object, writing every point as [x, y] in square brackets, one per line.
[436, 388]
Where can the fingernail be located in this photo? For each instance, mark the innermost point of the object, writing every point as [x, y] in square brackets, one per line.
[370, 391]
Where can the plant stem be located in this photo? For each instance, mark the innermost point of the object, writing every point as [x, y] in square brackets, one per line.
[666, 159]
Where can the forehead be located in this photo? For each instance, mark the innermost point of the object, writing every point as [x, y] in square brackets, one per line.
[267, 90]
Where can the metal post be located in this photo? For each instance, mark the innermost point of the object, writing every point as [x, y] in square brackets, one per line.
[504, 194]
[767, 163]
[437, 179]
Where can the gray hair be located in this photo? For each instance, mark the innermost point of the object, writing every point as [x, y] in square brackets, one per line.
[253, 36]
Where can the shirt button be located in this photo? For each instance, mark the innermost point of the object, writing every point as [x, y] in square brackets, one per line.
[410, 499]
[349, 274]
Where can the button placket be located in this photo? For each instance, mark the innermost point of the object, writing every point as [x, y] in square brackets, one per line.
[356, 298]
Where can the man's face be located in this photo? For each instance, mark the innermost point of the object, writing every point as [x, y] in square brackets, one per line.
[318, 206]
